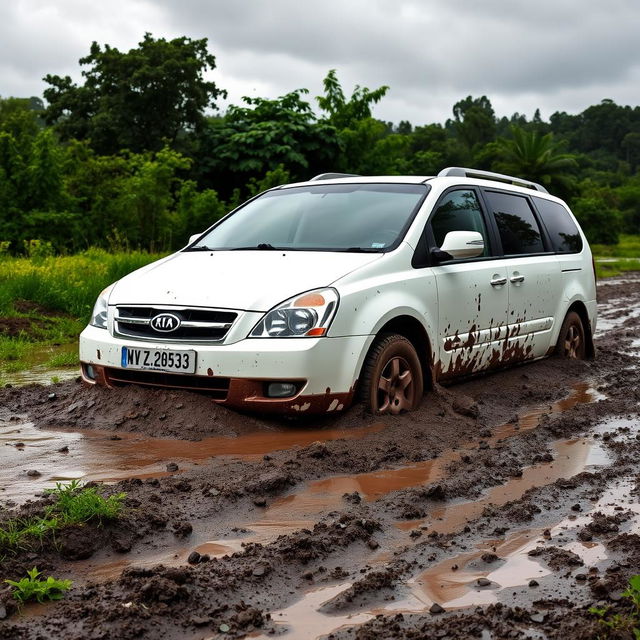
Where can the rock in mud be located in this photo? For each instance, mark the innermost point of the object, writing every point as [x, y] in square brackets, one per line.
[271, 482]
[435, 609]
[172, 466]
[33, 473]
[194, 557]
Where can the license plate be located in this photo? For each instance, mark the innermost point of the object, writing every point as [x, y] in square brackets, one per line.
[159, 360]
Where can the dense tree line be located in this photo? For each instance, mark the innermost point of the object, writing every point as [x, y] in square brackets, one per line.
[132, 157]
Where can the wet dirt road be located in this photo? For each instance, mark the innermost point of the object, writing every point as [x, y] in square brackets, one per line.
[504, 508]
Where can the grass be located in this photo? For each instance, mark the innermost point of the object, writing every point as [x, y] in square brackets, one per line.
[612, 260]
[34, 588]
[627, 624]
[69, 284]
[73, 505]
[52, 298]
[628, 247]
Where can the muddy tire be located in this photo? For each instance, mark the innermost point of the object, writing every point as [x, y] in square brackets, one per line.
[392, 378]
[572, 342]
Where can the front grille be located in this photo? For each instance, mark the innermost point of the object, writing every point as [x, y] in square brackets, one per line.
[217, 387]
[196, 324]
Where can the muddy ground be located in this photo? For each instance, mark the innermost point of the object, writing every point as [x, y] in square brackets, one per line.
[505, 508]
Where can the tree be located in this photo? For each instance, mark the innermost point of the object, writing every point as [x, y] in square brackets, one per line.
[254, 139]
[139, 100]
[474, 121]
[343, 113]
[536, 157]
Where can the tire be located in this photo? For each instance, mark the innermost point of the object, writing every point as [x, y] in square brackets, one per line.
[392, 377]
[572, 343]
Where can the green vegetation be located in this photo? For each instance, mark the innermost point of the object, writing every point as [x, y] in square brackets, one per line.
[623, 623]
[41, 590]
[612, 260]
[74, 505]
[47, 301]
[75, 174]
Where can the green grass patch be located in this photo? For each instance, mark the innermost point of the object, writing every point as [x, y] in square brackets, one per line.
[64, 359]
[39, 589]
[69, 284]
[48, 300]
[73, 505]
[628, 247]
[623, 624]
[616, 267]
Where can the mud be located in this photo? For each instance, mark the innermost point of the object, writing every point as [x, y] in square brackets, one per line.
[505, 507]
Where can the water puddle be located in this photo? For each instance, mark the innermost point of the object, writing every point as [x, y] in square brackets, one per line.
[97, 455]
[570, 457]
[326, 494]
[453, 582]
[44, 366]
[610, 316]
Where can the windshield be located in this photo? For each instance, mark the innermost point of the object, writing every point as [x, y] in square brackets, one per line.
[327, 217]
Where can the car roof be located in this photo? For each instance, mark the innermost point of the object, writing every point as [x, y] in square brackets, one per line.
[444, 181]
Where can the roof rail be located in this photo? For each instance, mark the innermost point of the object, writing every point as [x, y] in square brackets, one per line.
[463, 172]
[331, 176]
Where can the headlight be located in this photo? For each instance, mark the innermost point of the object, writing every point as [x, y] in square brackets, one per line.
[99, 313]
[306, 315]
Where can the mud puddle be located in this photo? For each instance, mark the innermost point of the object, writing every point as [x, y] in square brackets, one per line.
[43, 368]
[326, 494]
[97, 455]
[570, 457]
[453, 582]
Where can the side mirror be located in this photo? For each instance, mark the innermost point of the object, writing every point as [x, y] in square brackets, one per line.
[463, 244]
[194, 237]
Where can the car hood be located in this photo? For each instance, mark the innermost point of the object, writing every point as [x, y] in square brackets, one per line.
[247, 280]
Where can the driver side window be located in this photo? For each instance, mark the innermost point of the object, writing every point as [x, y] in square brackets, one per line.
[459, 210]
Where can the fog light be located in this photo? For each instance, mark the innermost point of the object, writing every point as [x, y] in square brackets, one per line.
[90, 372]
[281, 389]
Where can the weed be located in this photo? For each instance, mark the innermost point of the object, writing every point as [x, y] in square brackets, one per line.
[41, 590]
[76, 505]
[627, 623]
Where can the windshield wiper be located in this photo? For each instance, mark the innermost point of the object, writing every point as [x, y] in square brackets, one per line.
[199, 249]
[361, 250]
[262, 246]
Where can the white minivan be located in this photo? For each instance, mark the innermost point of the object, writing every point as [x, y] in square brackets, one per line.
[312, 294]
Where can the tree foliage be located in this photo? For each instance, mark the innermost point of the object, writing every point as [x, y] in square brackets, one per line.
[133, 156]
[137, 100]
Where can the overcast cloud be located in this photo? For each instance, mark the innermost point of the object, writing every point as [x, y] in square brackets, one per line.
[554, 54]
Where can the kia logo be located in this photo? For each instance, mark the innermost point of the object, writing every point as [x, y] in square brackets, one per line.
[165, 322]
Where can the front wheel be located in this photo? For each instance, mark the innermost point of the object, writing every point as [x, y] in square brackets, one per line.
[392, 379]
[571, 341]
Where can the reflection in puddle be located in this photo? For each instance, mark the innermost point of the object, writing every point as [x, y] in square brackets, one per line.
[40, 371]
[454, 589]
[94, 455]
[570, 458]
[327, 493]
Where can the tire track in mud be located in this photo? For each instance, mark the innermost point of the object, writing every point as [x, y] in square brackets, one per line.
[358, 551]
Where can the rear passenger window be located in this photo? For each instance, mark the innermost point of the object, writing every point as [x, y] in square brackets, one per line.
[459, 211]
[565, 237]
[518, 227]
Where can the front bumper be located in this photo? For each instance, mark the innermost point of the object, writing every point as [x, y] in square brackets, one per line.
[324, 369]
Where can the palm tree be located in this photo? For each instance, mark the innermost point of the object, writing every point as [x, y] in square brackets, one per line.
[538, 158]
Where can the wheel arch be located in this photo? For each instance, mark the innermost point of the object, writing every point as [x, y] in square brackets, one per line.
[579, 307]
[414, 331]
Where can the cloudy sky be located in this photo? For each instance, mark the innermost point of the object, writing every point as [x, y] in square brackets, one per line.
[552, 54]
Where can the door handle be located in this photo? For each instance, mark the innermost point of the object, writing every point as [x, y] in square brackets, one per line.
[497, 282]
[517, 277]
